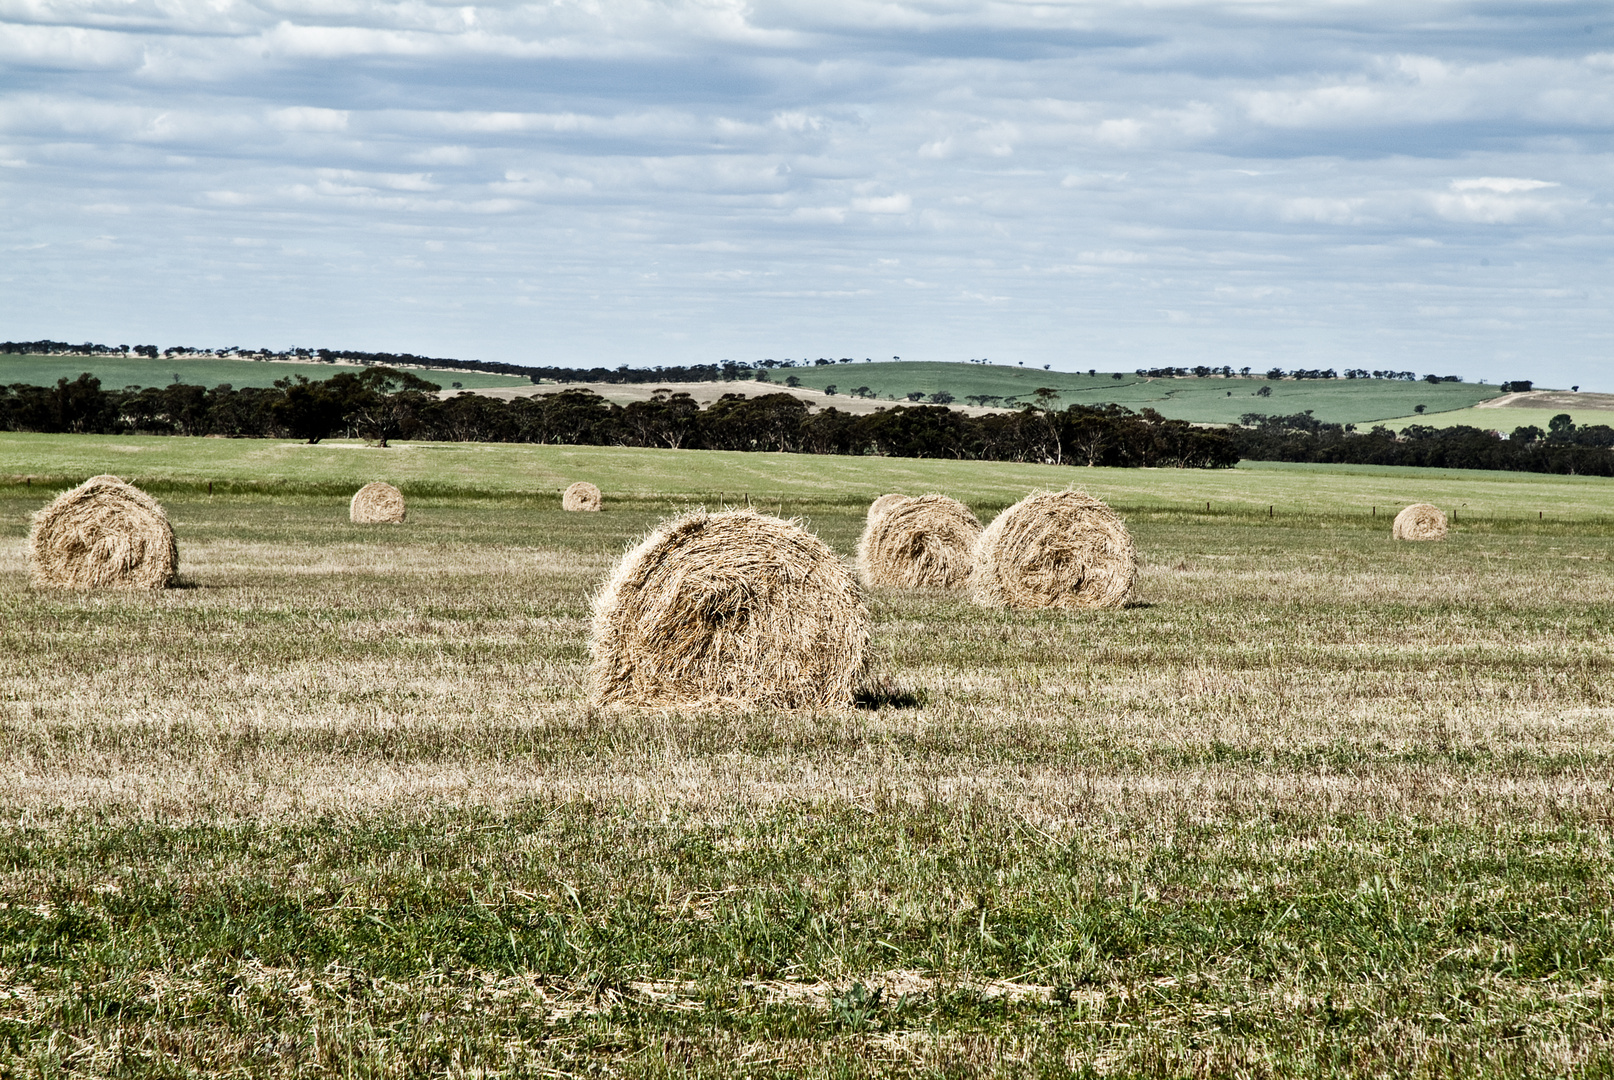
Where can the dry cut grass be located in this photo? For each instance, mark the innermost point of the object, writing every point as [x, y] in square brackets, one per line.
[1318, 803]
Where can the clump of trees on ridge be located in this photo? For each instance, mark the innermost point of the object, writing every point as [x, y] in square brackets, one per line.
[1566, 448]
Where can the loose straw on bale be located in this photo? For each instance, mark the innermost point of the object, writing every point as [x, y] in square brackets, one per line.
[926, 542]
[1062, 549]
[103, 534]
[1420, 521]
[581, 496]
[377, 503]
[884, 503]
[728, 608]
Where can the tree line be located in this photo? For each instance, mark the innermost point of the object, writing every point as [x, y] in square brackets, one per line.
[1565, 447]
[381, 404]
[1226, 372]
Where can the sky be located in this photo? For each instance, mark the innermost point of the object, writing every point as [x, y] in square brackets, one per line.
[1408, 185]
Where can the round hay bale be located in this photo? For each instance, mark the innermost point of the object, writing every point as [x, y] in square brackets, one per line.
[377, 503]
[732, 608]
[1059, 549]
[1420, 521]
[581, 496]
[927, 542]
[103, 534]
[884, 503]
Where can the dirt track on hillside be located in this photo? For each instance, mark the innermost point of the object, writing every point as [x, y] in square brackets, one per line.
[1550, 399]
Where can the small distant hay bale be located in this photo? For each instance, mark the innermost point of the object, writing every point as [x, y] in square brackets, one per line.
[731, 608]
[102, 534]
[884, 503]
[581, 496]
[1420, 521]
[926, 542]
[1059, 549]
[377, 503]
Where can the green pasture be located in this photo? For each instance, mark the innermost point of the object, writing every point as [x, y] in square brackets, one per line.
[709, 476]
[117, 372]
[1318, 804]
[1209, 401]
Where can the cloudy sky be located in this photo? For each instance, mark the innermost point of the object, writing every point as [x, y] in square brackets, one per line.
[1410, 185]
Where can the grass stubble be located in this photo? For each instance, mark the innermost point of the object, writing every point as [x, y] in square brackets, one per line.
[1319, 804]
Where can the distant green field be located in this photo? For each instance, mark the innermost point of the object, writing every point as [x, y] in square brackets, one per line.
[118, 372]
[775, 480]
[1206, 401]
[1503, 420]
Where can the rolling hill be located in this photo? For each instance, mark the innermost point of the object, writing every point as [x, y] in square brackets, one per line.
[1212, 400]
[116, 372]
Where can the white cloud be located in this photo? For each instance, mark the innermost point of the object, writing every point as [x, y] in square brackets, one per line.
[1505, 185]
[1322, 210]
[444, 155]
[370, 180]
[309, 118]
[1113, 257]
[518, 184]
[1487, 209]
[819, 215]
[884, 204]
[72, 47]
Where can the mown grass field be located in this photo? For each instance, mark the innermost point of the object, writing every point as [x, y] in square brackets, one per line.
[1319, 805]
[666, 479]
[117, 372]
[1206, 401]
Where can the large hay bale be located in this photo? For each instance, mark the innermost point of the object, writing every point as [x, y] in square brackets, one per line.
[581, 496]
[103, 534]
[884, 503]
[1420, 521]
[377, 503]
[1059, 549]
[728, 608]
[926, 542]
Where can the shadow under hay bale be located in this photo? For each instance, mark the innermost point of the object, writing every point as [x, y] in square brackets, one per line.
[102, 534]
[885, 694]
[732, 608]
[1420, 521]
[1060, 549]
[927, 542]
[377, 503]
[581, 496]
